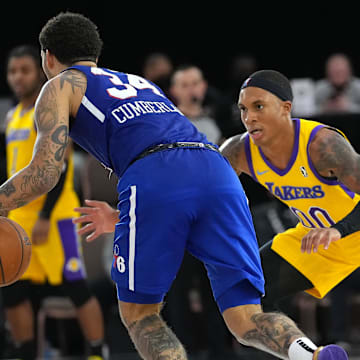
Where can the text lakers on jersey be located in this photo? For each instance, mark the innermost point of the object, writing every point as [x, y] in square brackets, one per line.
[311, 197]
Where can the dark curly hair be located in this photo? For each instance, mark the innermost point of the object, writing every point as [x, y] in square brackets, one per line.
[71, 37]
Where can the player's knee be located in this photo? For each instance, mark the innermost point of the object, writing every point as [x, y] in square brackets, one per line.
[239, 320]
[130, 312]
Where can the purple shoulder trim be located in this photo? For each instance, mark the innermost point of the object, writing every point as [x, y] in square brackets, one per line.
[248, 157]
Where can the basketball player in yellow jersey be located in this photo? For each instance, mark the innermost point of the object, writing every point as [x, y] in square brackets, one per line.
[314, 170]
[56, 258]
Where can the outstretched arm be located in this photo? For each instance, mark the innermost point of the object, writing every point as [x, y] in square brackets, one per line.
[333, 156]
[43, 171]
[99, 218]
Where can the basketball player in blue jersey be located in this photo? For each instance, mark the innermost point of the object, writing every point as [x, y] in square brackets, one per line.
[176, 192]
[56, 260]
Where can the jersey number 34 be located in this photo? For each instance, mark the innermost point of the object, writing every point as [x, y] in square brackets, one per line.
[122, 90]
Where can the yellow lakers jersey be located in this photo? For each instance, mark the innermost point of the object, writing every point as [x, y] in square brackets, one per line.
[312, 198]
[20, 140]
[47, 260]
[317, 202]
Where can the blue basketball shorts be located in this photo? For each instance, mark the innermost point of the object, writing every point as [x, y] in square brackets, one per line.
[184, 199]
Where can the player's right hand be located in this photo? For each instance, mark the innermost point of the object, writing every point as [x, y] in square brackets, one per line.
[319, 236]
[99, 218]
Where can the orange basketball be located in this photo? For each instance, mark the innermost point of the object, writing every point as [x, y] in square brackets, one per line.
[15, 251]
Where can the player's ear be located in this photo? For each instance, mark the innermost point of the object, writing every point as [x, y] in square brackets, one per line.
[50, 59]
[287, 105]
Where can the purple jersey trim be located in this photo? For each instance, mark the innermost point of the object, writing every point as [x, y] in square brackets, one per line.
[347, 190]
[293, 155]
[248, 157]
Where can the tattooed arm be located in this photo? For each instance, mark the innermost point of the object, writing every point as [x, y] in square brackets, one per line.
[234, 150]
[334, 157]
[52, 121]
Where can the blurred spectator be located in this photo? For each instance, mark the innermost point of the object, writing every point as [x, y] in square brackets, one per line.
[188, 89]
[158, 68]
[304, 97]
[340, 90]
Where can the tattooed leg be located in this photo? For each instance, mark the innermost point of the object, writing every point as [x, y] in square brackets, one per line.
[152, 337]
[269, 332]
[273, 332]
[154, 340]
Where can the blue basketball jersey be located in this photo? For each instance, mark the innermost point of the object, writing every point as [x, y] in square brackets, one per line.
[170, 201]
[121, 115]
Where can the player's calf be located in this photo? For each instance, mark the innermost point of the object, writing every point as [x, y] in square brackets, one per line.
[276, 334]
[272, 332]
[152, 337]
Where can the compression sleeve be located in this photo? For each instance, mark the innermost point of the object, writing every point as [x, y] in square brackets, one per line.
[350, 223]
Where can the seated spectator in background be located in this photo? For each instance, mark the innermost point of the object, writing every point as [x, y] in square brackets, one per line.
[188, 89]
[340, 90]
[158, 68]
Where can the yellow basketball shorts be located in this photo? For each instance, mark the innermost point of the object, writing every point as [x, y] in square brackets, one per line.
[59, 257]
[325, 268]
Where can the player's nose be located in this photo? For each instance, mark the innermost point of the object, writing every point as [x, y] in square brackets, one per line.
[248, 116]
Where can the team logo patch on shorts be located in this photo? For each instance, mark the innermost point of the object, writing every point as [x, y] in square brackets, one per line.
[73, 264]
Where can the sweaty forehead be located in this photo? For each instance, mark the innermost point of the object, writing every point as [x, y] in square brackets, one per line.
[253, 94]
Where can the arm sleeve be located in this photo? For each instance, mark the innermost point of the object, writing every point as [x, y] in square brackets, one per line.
[53, 195]
[350, 223]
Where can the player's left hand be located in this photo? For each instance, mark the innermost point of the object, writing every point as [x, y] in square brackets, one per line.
[40, 231]
[319, 236]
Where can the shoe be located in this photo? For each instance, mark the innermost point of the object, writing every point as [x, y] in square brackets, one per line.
[330, 352]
